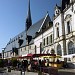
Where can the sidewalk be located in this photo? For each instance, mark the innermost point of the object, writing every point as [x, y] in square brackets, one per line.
[26, 73]
[66, 71]
[60, 72]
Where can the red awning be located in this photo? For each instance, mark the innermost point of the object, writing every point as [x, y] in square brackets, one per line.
[37, 55]
[30, 55]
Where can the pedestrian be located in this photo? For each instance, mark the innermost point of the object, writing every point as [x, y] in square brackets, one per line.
[22, 68]
[24, 65]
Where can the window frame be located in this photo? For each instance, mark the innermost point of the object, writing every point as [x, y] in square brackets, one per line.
[59, 51]
[57, 31]
[68, 27]
[71, 48]
[44, 41]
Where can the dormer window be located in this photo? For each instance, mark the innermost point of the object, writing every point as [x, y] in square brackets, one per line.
[14, 39]
[57, 10]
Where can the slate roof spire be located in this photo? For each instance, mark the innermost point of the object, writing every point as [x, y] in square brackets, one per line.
[28, 19]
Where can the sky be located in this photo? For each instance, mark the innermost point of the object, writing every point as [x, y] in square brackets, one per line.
[13, 15]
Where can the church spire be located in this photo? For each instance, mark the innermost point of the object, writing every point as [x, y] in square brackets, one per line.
[28, 19]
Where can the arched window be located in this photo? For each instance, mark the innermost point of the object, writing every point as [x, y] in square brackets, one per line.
[47, 40]
[68, 27]
[57, 31]
[44, 41]
[41, 47]
[59, 52]
[52, 51]
[68, 23]
[71, 48]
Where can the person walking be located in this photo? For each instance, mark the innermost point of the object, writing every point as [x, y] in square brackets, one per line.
[24, 65]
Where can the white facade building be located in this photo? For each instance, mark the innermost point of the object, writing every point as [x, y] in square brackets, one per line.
[63, 31]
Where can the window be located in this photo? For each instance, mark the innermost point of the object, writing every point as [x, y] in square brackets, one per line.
[16, 38]
[7, 54]
[51, 40]
[68, 27]
[44, 42]
[29, 47]
[25, 48]
[52, 51]
[48, 24]
[57, 31]
[59, 52]
[56, 12]
[71, 48]
[47, 40]
[41, 48]
[69, 59]
[21, 49]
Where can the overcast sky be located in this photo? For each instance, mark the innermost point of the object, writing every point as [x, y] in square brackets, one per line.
[13, 14]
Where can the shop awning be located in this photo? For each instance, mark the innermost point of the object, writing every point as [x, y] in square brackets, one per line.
[51, 56]
[38, 55]
[24, 55]
[30, 55]
[69, 56]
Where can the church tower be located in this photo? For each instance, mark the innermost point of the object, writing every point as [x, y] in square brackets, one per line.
[28, 24]
[28, 19]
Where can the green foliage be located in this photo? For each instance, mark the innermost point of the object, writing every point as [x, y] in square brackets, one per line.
[14, 62]
[1, 63]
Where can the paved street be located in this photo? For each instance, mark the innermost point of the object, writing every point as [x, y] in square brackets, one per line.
[17, 73]
[66, 72]
[27, 73]
[61, 72]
